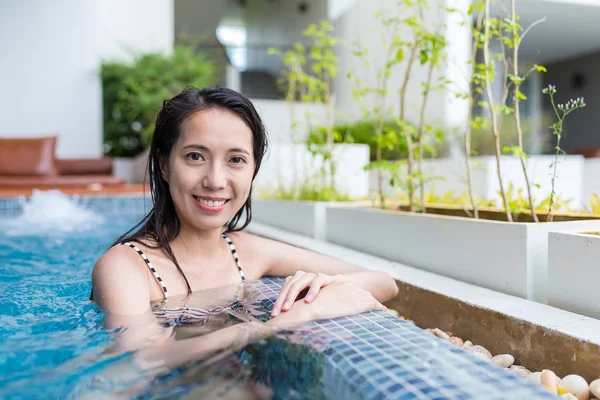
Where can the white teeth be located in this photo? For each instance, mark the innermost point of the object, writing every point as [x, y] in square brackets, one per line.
[211, 203]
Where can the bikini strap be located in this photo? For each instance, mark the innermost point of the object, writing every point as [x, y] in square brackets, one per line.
[149, 264]
[235, 255]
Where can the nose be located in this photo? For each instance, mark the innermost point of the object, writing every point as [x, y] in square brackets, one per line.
[215, 177]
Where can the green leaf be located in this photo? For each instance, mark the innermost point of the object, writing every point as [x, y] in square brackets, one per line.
[540, 68]
[521, 96]
[400, 55]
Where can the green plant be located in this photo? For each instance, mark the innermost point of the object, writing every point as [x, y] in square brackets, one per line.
[132, 93]
[472, 95]
[494, 28]
[594, 207]
[561, 111]
[517, 80]
[309, 77]
[414, 24]
[306, 191]
[433, 53]
[372, 95]
[519, 203]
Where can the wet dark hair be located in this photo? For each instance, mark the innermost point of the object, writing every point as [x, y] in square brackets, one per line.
[161, 223]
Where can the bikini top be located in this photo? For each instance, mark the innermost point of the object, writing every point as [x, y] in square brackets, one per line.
[185, 315]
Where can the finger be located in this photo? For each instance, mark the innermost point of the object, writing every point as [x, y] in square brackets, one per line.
[295, 289]
[380, 307]
[315, 288]
[282, 295]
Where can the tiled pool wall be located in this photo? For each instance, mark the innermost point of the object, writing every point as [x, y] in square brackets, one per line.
[126, 205]
[374, 355]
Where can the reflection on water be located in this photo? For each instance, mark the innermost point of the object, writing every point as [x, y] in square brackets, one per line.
[253, 365]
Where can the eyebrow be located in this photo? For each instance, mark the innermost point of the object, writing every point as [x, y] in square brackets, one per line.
[200, 147]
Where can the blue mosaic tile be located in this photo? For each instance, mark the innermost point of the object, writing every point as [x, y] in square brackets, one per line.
[382, 357]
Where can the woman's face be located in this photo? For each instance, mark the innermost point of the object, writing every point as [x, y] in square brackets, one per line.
[210, 168]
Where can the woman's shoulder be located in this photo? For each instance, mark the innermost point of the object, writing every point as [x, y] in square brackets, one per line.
[119, 281]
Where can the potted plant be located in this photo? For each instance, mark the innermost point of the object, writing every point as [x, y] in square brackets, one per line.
[504, 247]
[300, 180]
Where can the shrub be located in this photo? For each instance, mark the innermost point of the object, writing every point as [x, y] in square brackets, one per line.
[133, 92]
[364, 132]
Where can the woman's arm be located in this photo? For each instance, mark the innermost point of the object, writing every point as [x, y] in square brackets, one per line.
[280, 259]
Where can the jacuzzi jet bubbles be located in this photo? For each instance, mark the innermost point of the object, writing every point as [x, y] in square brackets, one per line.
[51, 212]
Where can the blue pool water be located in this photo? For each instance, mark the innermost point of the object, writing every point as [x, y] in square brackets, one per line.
[52, 338]
[45, 316]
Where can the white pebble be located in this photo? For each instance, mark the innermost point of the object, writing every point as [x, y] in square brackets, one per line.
[468, 344]
[575, 385]
[441, 334]
[569, 396]
[504, 360]
[595, 388]
[480, 349]
[457, 341]
[520, 370]
[548, 381]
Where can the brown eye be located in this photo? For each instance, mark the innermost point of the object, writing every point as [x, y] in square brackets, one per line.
[238, 160]
[194, 156]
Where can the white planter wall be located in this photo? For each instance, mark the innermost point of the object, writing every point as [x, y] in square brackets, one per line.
[131, 169]
[569, 181]
[307, 218]
[573, 273]
[289, 164]
[507, 257]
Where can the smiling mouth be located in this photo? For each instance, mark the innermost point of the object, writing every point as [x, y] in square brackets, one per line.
[210, 203]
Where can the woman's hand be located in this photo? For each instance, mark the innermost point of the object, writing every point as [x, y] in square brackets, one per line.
[294, 285]
[338, 299]
[341, 299]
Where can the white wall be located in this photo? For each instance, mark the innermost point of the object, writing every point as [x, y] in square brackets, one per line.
[48, 74]
[291, 165]
[51, 54]
[582, 127]
[339, 7]
[443, 109]
[278, 116]
[127, 28]
[449, 175]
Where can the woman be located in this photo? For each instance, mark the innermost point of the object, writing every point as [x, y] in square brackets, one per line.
[206, 151]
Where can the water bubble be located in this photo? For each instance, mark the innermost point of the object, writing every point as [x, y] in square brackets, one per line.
[51, 213]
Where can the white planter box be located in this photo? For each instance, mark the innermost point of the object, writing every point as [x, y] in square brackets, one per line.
[574, 273]
[569, 180]
[307, 218]
[507, 257]
[292, 164]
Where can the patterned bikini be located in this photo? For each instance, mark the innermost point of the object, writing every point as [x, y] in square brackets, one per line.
[187, 315]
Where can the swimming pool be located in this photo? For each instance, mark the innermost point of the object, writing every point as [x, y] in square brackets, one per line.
[52, 338]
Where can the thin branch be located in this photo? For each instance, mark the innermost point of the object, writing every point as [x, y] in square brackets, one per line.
[539, 21]
[494, 116]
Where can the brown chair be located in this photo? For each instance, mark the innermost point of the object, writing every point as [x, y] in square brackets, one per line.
[27, 163]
